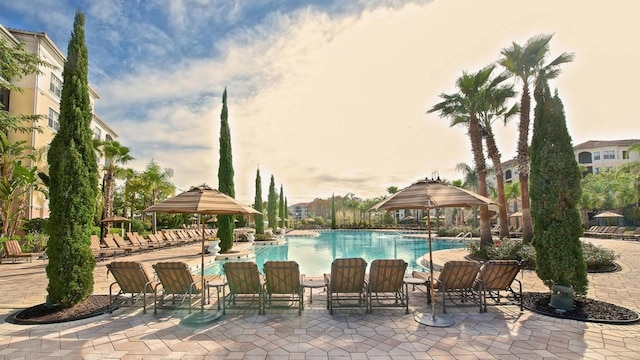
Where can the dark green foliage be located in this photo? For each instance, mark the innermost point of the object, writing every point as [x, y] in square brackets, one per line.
[257, 204]
[225, 177]
[73, 184]
[555, 192]
[333, 211]
[35, 225]
[272, 204]
[281, 212]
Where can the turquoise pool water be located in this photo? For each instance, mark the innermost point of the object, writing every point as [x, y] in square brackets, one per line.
[315, 254]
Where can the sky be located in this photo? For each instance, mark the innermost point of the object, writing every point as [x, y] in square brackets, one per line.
[330, 96]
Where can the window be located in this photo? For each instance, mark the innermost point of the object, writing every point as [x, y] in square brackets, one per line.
[585, 157]
[55, 86]
[96, 133]
[108, 137]
[4, 99]
[609, 154]
[507, 175]
[53, 120]
[625, 155]
[596, 155]
[596, 170]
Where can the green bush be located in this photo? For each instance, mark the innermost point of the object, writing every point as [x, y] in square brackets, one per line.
[455, 230]
[596, 257]
[35, 225]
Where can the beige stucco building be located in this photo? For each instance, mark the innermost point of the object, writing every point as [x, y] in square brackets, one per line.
[594, 155]
[41, 96]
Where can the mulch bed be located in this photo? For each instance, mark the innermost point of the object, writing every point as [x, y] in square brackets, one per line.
[94, 305]
[588, 310]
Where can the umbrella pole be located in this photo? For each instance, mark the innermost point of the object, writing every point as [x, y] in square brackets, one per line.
[432, 320]
[200, 318]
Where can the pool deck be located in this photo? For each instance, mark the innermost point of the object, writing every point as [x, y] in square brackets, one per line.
[501, 333]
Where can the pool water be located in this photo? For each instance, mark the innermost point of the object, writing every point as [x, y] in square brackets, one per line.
[315, 254]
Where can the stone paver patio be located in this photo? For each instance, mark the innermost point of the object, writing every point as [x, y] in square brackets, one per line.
[502, 333]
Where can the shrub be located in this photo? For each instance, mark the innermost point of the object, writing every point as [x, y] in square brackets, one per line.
[597, 257]
[455, 230]
[35, 225]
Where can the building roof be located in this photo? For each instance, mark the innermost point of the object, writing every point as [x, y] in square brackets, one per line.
[605, 143]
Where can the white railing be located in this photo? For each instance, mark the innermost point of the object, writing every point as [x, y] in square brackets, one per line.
[462, 237]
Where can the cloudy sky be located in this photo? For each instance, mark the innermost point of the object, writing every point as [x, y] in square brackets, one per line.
[329, 96]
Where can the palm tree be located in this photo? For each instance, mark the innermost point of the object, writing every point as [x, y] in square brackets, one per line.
[497, 110]
[524, 63]
[470, 181]
[114, 154]
[464, 108]
[157, 184]
[512, 192]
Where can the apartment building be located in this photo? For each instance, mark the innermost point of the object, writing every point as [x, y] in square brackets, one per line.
[594, 155]
[41, 96]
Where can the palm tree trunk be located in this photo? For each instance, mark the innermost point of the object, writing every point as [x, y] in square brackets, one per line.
[523, 164]
[481, 168]
[494, 154]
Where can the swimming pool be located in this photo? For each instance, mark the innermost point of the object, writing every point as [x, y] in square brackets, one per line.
[315, 254]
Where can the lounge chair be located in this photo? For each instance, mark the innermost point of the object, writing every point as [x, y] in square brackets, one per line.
[100, 252]
[137, 240]
[111, 244]
[122, 243]
[456, 281]
[496, 281]
[177, 282]
[282, 283]
[132, 278]
[13, 251]
[246, 286]
[158, 240]
[346, 285]
[386, 286]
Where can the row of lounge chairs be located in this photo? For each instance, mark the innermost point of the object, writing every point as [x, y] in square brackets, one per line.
[612, 232]
[114, 245]
[173, 282]
[471, 281]
[513, 231]
[347, 286]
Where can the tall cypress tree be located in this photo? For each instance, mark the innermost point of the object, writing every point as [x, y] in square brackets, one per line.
[272, 204]
[281, 207]
[257, 204]
[73, 184]
[555, 192]
[225, 177]
[333, 211]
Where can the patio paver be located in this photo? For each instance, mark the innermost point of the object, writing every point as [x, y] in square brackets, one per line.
[502, 333]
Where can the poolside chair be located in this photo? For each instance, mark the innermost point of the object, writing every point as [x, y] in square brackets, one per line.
[111, 244]
[100, 253]
[122, 243]
[456, 281]
[159, 240]
[496, 281]
[178, 283]
[246, 286]
[136, 240]
[132, 278]
[282, 283]
[13, 251]
[346, 285]
[386, 286]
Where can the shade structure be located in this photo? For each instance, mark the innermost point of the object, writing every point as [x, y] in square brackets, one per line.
[608, 214]
[115, 219]
[516, 214]
[202, 200]
[427, 195]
